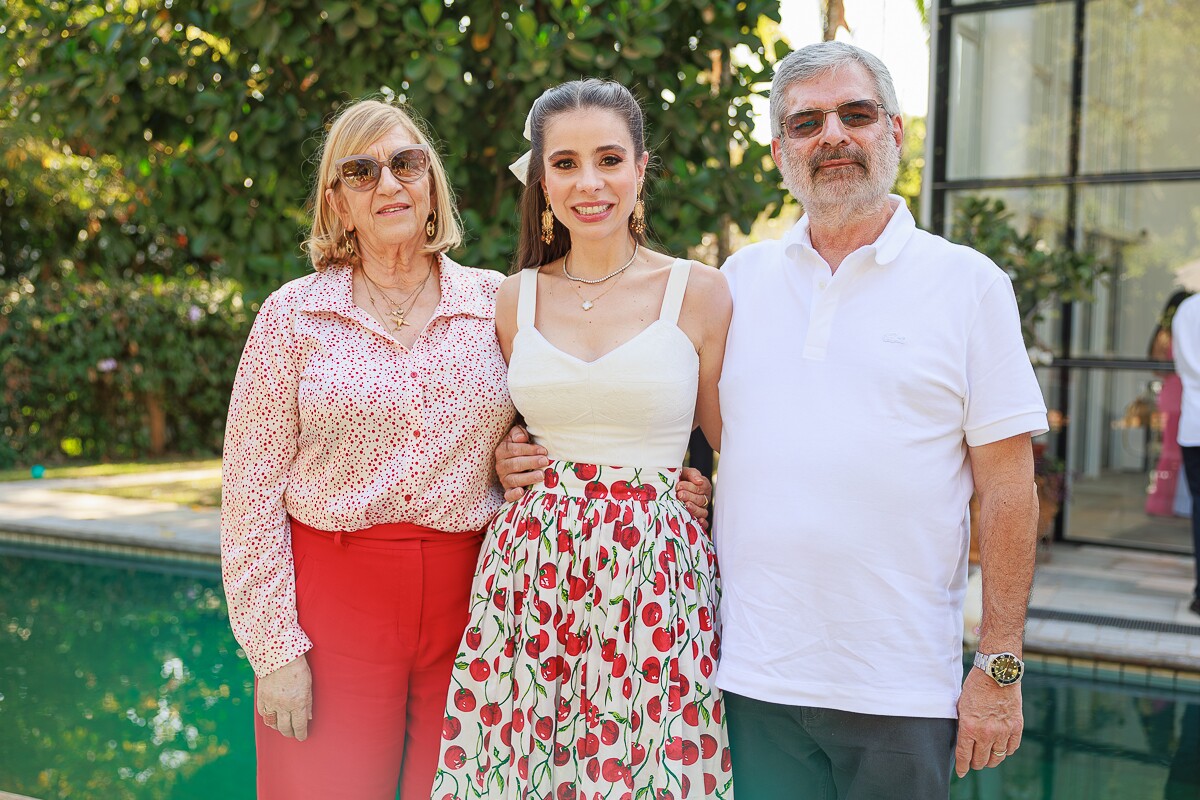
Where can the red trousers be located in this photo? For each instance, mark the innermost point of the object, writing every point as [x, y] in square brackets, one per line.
[385, 609]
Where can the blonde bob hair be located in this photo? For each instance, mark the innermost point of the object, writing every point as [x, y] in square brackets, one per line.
[355, 128]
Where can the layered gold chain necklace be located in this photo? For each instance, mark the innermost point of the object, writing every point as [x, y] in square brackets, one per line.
[396, 312]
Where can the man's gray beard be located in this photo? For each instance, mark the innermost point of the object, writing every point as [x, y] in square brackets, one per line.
[846, 196]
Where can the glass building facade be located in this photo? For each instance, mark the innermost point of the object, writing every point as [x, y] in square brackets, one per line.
[1084, 117]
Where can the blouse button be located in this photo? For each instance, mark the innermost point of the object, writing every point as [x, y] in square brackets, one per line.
[412, 374]
[417, 434]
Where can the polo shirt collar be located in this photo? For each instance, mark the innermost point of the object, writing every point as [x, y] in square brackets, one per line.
[887, 247]
[461, 295]
[896, 233]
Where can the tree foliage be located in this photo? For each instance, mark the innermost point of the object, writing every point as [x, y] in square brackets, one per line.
[144, 137]
[912, 164]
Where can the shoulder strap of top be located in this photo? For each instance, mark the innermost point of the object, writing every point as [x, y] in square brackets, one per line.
[527, 299]
[676, 284]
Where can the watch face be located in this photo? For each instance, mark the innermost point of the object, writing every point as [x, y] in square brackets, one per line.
[1005, 669]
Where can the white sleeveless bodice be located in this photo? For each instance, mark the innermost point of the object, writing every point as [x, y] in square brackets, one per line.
[633, 406]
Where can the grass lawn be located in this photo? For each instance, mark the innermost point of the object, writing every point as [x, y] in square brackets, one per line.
[201, 493]
[101, 470]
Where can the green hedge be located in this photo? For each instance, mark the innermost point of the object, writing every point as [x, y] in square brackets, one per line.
[190, 126]
[118, 369]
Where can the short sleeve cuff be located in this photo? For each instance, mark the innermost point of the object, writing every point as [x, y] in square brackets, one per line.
[1033, 422]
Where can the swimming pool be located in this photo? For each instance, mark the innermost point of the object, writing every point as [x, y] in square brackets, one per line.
[121, 681]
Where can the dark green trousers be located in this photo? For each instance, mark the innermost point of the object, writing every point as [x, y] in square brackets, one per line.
[785, 752]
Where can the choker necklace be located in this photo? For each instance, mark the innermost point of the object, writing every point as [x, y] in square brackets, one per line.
[612, 274]
[588, 305]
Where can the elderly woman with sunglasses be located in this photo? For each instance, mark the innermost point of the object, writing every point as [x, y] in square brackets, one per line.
[359, 472]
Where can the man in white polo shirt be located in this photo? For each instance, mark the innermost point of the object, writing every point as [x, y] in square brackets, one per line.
[874, 377]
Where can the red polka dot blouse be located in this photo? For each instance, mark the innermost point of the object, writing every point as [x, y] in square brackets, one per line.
[335, 423]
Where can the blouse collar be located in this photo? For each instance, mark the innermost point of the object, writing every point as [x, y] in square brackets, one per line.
[462, 292]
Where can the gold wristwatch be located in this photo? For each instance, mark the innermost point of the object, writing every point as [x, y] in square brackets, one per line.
[1004, 668]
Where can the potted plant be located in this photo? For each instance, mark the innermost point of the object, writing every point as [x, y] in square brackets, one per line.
[1050, 478]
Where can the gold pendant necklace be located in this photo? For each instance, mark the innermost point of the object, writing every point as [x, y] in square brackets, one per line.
[397, 311]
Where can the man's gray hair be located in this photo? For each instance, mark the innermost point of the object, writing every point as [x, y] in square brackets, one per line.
[816, 60]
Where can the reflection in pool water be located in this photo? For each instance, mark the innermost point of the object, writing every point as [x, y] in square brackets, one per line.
[121, 684]
[1093, 740]
[124, 683]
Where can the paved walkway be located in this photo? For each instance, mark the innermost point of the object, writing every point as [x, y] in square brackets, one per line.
[1090, 604]
[1112, 604]
[39, 508]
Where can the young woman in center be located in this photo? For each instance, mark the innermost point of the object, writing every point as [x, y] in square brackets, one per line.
[586, 667]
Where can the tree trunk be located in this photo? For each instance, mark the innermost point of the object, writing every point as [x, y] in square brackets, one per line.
[834, 17]
[156, 418]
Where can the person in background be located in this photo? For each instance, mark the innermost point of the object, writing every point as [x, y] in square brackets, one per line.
[1185, 341]
[1167, 495]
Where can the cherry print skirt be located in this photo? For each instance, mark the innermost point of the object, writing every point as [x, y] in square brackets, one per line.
[586, 668]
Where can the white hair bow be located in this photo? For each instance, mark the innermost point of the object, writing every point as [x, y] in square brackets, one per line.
[520, 167]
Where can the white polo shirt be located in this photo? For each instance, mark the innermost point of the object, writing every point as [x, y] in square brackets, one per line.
[848, 401]
[1185, 344]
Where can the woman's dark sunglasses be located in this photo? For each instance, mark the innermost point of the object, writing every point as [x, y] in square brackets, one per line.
[361, 173]
[808, 123]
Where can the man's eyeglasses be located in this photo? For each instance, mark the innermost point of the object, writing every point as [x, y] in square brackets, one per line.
[808, 123]
[361, 173]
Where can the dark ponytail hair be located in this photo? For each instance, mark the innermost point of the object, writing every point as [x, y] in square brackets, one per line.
[584, 94]
[1159, 349]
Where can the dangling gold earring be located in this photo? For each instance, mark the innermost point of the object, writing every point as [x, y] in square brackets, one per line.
[348, 243]
[431, 224]
[547, 220]
[637, 222]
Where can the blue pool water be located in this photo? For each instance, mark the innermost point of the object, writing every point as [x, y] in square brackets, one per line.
[122, 682]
